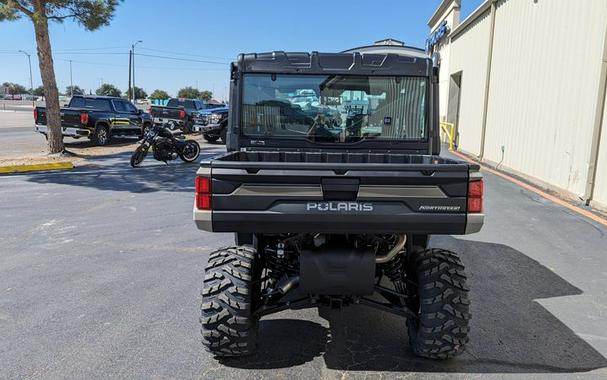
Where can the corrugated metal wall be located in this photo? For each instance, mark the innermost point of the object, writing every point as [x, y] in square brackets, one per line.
[543, 94]
[600, 189]
[545, 75]
[469, 55]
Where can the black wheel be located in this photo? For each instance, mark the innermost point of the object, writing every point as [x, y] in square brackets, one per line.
[223, 136]
[101, 135]
[138, 156]
[231, 285]
[442, 304]
[190, 151]
[210, 138]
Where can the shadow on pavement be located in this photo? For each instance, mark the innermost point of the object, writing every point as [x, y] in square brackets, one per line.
[510, 332]
[176, 176]
[86, 143]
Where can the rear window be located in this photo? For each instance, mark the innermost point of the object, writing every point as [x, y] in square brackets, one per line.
[93, 104]
[174, 103]
[185, 103]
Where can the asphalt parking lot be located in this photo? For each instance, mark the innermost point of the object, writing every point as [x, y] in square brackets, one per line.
[101, 270]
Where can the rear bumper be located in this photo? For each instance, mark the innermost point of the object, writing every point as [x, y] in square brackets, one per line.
[289, 220]
[67, 131]
[163, 120]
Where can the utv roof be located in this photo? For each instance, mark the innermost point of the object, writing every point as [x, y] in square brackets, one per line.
[390, 46]
[353, 62]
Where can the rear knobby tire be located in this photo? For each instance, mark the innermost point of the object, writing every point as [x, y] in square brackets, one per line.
[443, 305]
[228, 294]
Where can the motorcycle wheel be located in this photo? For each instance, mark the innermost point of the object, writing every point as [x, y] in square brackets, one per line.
[138, 156]
[190, 152]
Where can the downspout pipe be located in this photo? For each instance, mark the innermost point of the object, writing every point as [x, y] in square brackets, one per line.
[597, 131]
[481, 153]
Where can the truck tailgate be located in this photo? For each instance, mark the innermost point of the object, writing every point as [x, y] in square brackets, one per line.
[70, 117]
[275, 192]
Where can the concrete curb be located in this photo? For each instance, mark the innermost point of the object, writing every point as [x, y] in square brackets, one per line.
[561, 202]
[36, 167]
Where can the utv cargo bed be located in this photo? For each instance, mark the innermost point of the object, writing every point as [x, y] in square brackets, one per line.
[336, 192]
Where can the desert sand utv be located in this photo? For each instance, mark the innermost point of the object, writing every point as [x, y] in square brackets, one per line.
[332, 184]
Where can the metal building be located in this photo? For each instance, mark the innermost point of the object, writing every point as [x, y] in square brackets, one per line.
[524, 83]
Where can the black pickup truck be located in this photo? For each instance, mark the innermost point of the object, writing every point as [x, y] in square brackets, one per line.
[180, 113]
[97, 117]
[336, 209]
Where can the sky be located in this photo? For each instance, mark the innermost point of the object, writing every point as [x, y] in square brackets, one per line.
[191, 42]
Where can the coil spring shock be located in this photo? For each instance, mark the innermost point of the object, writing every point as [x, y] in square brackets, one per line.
[394, 271]
[277, 264]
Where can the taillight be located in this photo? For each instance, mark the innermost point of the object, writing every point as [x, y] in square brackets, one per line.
[475, 196]
[203, 193]
[35, 115]
[84, 118]
[182, 114]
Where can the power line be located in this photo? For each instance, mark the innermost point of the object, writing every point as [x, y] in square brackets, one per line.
[181, 59]
[93, 53]
[143, 67]
[87, 49]
[185, 54]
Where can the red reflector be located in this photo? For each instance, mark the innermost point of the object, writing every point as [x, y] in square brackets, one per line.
[84, 118]
[203, 201]
[475, 205]
[203, 193]
[203, 185]
[475, 196]
[182, 114]
[35, 115]
[475, 189]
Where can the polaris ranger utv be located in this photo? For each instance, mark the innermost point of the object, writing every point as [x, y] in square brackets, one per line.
[332, 184]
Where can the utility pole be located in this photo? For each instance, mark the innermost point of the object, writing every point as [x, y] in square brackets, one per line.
[71, 81]
[29, 60]
[133, 49]
[129, 93]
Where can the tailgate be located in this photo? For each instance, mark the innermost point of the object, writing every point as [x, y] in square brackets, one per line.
[69, 117]
[165, 112]
[280, 197]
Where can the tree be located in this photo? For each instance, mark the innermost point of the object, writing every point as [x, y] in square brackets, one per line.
[91, 14]
[15, 88]
[76, 90]
[107, 89]
[206, 95]
[188, 93]
[39, 91]
[159, 94]
[140, 93]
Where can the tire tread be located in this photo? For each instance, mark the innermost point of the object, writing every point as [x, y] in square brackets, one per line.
[228, 327]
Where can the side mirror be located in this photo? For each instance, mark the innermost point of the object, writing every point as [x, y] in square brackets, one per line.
[139, 111]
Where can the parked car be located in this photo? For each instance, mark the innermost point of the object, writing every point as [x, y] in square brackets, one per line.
[213, 123]
[97, 117]
[180, 112]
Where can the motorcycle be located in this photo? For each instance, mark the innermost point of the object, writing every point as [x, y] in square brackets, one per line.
[166, 145]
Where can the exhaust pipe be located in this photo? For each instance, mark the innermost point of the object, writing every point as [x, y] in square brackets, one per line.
[400, 244]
